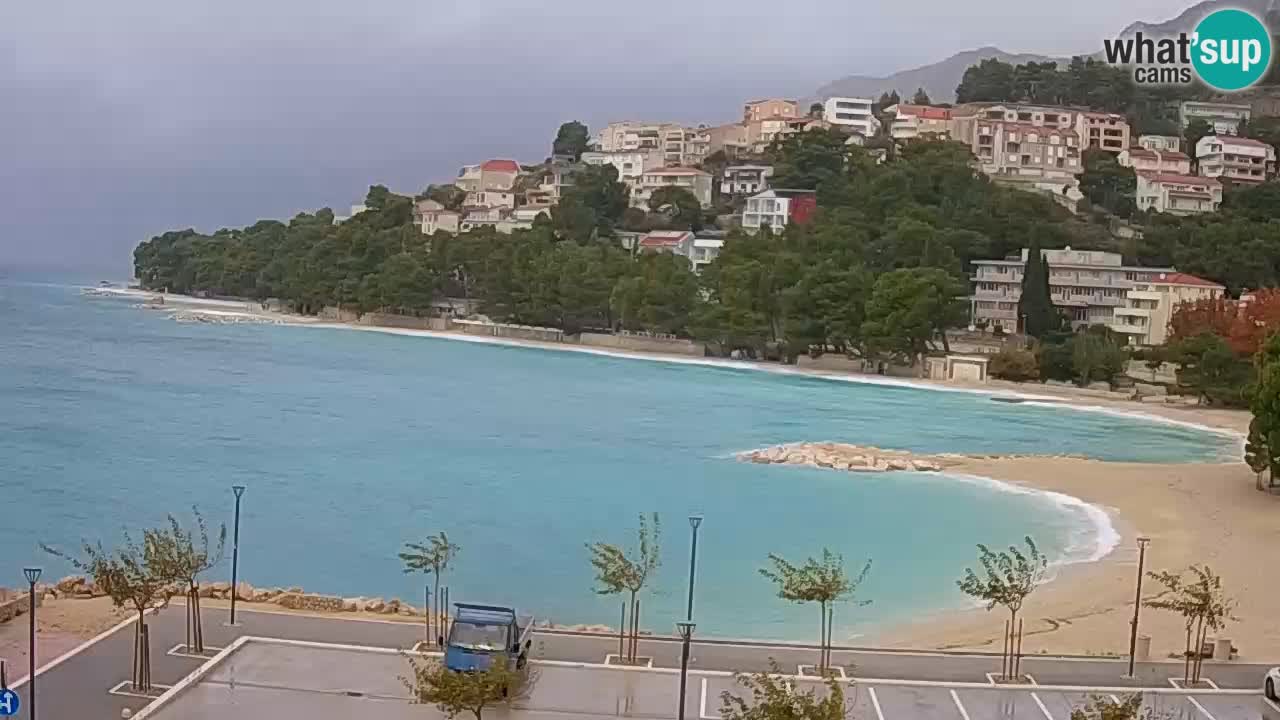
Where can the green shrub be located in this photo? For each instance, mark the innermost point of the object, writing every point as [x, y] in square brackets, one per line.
[1014, 364]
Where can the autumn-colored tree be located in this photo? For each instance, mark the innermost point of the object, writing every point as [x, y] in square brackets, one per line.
[1244, 325]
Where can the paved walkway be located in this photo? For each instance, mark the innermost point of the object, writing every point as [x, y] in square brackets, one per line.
[77, 686]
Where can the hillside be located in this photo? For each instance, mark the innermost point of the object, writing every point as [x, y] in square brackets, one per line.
[938, 79]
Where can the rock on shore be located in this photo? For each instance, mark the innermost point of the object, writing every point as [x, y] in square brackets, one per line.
[841, 456]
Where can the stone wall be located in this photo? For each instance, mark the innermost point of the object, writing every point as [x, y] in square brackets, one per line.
[644, 343]
[404, 321]
[18, 604]
[833, 363]
[515, 332]
[302, 601]
[334, 314]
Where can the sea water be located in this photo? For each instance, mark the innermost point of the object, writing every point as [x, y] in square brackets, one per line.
[352, 443]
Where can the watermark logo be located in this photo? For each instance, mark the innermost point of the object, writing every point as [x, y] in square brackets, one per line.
[1229, 50]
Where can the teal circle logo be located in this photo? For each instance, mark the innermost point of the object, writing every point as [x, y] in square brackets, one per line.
[1232, 49]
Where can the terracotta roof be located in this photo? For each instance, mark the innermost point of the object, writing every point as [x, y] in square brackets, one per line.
[501, 166]
[1181, 179]
[665, 237]
[1139, 151]
[1177, 278]
[928, 112]
[1232, 140]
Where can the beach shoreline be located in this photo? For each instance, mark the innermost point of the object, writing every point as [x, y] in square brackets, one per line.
[1194, 512]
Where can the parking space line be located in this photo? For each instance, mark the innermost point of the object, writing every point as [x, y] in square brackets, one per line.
[1040, 704]
[959, 705]
[1212, 684]
[1029, 677]
[1114, 699]
[702, 703]
[1201, 708]
[875, 703]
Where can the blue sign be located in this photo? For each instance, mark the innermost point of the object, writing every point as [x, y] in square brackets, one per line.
[8, 703]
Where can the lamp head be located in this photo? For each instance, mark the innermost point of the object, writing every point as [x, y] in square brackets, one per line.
[685, 628]
[1143, 540]
[32, 573]
[238, 490]
[695, 521]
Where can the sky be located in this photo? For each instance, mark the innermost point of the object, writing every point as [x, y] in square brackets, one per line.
[120, 120]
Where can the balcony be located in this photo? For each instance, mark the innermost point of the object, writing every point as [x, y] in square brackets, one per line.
[1128, 329]
[1132, 312]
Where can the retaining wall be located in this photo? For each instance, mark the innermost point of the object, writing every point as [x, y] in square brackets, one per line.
[641, 343]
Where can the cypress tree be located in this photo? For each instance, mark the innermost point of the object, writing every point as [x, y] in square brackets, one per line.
[1035, 306]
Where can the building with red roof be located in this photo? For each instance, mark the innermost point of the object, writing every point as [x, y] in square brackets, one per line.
[1160, 161]
[496, 175]
[1177, 193]
[1237, 159]
[1149, 306]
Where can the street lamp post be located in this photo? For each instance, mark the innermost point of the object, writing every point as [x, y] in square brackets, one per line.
[235, 550]
[686, 633]
[33, 574]
[1137, 602]
[694, 522]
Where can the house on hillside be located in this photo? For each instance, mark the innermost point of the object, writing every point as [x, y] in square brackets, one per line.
[694, 180]
[1148, 308]
[1223, 118]
[431, 216]
[497, 175]
[1241, 160]
[777, 208]
[745, 179]
[1177, 194]
[1159, 161]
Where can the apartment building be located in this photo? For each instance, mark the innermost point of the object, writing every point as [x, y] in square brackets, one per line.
[497, 175]
[745, 179]
[430, 216]
[1177, 194]
[730, 139]
[1088, 285]
[1171, 143]
[1107, 131]
[768, 108]
[675, 144]
[913, 121]
[1224, 118]
[692, 179]
[1029, 151]
[630, 164]
[778, 208]
[1158, 161]
[761, 132]
[705, 250]
[852, 114]
[489, 198]
[1148, 308]
[1242, 160]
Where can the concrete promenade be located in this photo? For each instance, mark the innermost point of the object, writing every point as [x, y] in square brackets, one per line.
[78, 685]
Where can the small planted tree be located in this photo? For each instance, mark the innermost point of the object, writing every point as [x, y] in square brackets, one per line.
[1124, 707]
[1257, 452]
[772, 698]
[431, 558]
[618, 572]
[183, 555]
[822, 581]
[1007, 579]
[132, 577]
[1197, 596]
[455, 693]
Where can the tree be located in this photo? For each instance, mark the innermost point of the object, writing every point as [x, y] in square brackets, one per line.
[1211, 369]
[921, 97]
[183, 555]
[1203, 605]
[822, 581]
[1014, 364]
[815, 110]
[909, 308]
[1008, 579]
[431, 557]
[773, 698]
[1096, 355]
[1192, 133]
[132, 576]
[593, 206]
[1035, 304]
[454, 693]
[989, 80]
[450, 196]
[681, 207]
[571, 140]
[1108, 184]
[617, 572]
[1126, 707]
[1257, 451]
[807, 159]
[886, 100]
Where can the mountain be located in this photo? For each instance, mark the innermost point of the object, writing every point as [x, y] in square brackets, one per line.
[939, 79]
[1187, 19]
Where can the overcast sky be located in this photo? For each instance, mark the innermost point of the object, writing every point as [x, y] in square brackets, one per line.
[122, 119]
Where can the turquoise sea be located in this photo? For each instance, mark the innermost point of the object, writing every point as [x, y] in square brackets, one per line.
[352, 443]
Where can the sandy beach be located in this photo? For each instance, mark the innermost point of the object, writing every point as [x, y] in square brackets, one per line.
[1194, 513]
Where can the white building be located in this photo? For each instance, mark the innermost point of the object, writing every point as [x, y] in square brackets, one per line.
[1224, 118]
[1088, 285]
[1170, 143]
[1177, 194]
[913, 121]
[1148, 308]
[630, 164]
[694, 180]
[1161, 161]
[745, 179]
[852, 114]
[430, 216]
[489, 198]
[704, 251]
[1237, 159]
[775, 209]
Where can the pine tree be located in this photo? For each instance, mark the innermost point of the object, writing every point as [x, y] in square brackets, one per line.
[1035, 306]
[1257, 451]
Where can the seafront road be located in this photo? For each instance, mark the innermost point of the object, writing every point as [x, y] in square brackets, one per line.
[77, 685]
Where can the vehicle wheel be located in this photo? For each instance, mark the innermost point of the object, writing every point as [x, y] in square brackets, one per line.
[1271, 690]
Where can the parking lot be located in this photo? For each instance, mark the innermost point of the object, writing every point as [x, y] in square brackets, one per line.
[295, 679]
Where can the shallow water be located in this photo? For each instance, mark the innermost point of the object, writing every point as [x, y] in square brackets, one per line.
[352, 443]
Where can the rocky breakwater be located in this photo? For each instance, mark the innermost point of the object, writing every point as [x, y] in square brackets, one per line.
[841, 456]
